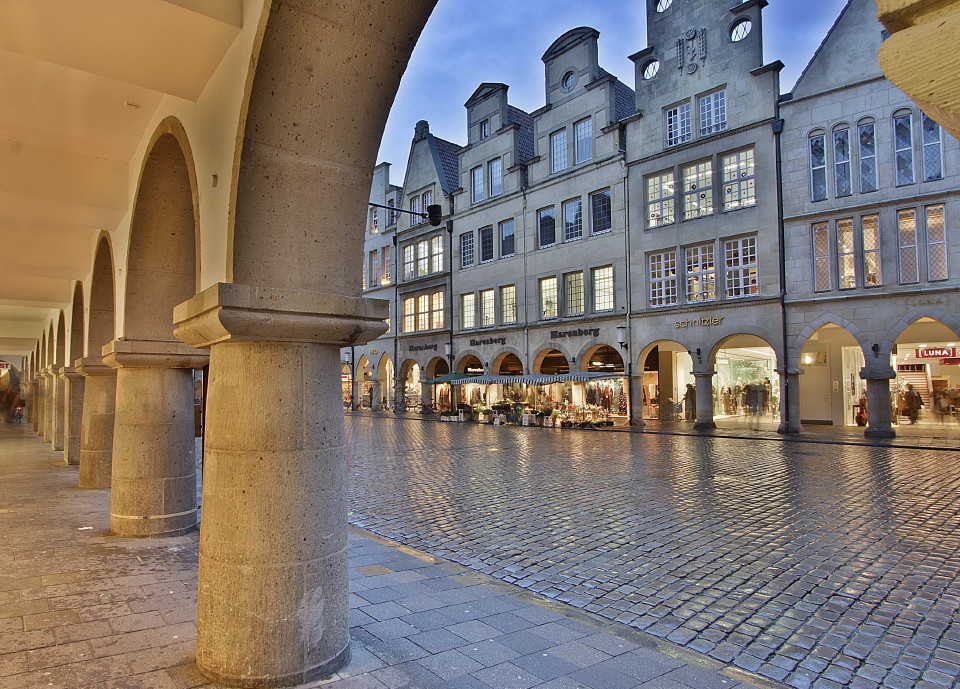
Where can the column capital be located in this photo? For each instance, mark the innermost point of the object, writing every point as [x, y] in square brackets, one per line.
[230, 312]
[703, 372]
[884, 372]
[124, 353]
[93, 366]
[789, 371]
[47, 372]
[70, 373]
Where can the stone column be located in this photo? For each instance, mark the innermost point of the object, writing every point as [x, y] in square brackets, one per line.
[73, 418]
[354, 400]
[57, 384]
[48, 389]
[790, 401]
[426, 396]
[34, 406]
[635, 398]
[878, 401]
[96, 425]
[154, 474]
[703, 379]
[272, 607]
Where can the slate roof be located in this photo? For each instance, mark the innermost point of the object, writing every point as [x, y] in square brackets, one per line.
[525, 121]
[449, 164]
[624, 98]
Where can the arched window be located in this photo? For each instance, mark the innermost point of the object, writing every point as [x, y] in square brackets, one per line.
[867, 154]
[818, 165]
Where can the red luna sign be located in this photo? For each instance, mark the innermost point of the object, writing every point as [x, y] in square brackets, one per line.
[936, 352]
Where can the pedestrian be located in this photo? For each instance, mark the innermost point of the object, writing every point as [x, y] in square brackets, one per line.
[690, 403]
[912, 403]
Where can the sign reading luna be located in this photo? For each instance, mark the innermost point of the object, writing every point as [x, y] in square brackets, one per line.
[936, 352]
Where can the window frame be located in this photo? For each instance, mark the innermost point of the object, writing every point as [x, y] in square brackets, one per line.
[576, 233]
[476, 184]
[513, 238]
[929, 243]
[929, 145]
[822, 257]
[601, 193]
[846, 254]
[677, 124]
[744, 158]
[842, 167]
[662, 279]
[488, 308]
[486, 242]
[550, 212]
[661, 181]
[550, 280]
[505, 310]
[495, 176]
[602, 285]
[468, 311]
[865, 251]
[700, 255]
[559, 156]
[715, 102]
[865, 159]
[907, 150]
[734, 289]
[913, 248]
[817, 167]
[574, 301]
[700, 177]
[467, 253]
[583, 140]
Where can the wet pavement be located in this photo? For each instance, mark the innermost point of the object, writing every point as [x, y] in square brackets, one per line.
[809, 563]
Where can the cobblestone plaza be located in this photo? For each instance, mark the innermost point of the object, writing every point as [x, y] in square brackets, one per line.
[811, 564]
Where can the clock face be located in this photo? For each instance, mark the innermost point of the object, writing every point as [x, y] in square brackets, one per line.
[569, 81]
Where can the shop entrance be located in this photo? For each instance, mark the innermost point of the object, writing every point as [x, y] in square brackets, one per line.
[440, 394]
[667, 370]
[926, 359]
[383, 386]
[746, 384]
[608, 395]
[410, 383]
[831, 390]
[473, 394]
[365, 380]
[553, 362]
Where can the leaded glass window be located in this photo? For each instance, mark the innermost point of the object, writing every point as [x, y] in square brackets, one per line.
[547, 226]
[870, 241]
[907, 240]
[867, 137]
[841, 162]
[903, 149]
[573, 293]
[936, 243]
[821, 257]
[572, 221]
[818, 168]
[932, 149]
[741, 276]
[600, 211]
[846, 255]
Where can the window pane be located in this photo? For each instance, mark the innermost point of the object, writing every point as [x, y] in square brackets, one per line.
[583, 140]
[487, 308]
[506, 238]
[494, 168]
[663, 278]
[423, 312]
[818, 168]
[547, 227]
[572, 221]
[468, 311]
[558, 151]
[741, 267]
[936, 243]
[846, 258]
[903, 148]
[738, 180]
[821, 257]
[423, 258]
[678, 125]
[932, 150]
[408, 315]
[600, 210]
[870, 240]
[713, 113]
[476, 181]
[697, 192]
[868, 157]
[508, 304]
[486, 244]
[386, 265]
[603, 288]
[548, 297]
[466, 250]
[573, 293]
[436, 254]
[408, 262]
[907, 237]
[436, 306]
[841, 162]
[701, 273]
[660, 200]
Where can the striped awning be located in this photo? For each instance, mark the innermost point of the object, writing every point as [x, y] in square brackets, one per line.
[540, 378]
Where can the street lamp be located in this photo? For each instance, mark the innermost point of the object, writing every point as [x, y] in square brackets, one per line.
[622, 336]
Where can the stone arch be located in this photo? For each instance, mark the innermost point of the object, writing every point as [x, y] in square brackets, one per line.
[537, 358]
[894, 331]
[793, 357]
[466, 354]
[610, 354]
[60, 353]
[645, 352]
[550, 353]
[499, 359]
[162, 257]
[76, 325]
[101, 327]
[51, 344]
[725, 340]
[436, 367]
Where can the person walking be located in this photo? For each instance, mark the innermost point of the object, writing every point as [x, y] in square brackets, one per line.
[912, 403]
[690, 403]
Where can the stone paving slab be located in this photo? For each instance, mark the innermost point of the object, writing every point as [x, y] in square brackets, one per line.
[816, 565]
[81, 609]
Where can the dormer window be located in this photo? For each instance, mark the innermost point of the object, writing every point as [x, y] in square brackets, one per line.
[569, 81]
[484, 129]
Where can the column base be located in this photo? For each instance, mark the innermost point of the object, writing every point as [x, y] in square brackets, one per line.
[704, 425]
[879, 433]
[154, 526]
[636, 423]
[787, 429]
[292, 680]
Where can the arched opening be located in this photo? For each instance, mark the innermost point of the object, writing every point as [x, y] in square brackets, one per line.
[383, 389]
[508, 364]
[76, 326]
[552, 362]
[100, 329]
[346, 384]
[61, 346]
[831, 390]
[667, 370]
[926, 360]
[607, 395]
[364, 373]
[440, 393]
[410, 381]
[472, 393]
[745, 374]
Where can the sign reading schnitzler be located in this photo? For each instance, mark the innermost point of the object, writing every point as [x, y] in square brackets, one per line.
[691, 322]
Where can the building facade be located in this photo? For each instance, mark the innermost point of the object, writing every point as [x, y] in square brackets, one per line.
[699, 248]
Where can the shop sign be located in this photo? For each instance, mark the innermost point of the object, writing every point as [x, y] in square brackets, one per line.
[422, 348]
[474, 370]
[936, 352]
[579, 332]
[374, 351]
[488, 341]
[952, 361]
[4, 364]
[691, 322]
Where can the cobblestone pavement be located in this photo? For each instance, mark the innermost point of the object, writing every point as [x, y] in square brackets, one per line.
[810, 564]
[81, 609]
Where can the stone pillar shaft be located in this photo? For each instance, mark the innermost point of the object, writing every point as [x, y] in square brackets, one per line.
[704, 385]
[790, 401]
[96, 434]
[34, 406]
[635, 399]
[48, 391]
[58, 383]
[73, 419]
[878, 401]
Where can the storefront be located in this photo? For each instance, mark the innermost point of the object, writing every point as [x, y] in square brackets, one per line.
[746, 382]
[667, 370]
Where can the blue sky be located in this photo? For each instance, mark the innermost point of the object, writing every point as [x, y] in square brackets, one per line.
[466, 43]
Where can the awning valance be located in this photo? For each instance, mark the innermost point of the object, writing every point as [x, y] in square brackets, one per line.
[530, 379]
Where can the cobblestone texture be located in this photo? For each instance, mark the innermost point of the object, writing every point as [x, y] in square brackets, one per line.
[813, 565]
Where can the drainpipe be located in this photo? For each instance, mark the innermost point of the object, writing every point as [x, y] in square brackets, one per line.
[786, 394]
[396, 321]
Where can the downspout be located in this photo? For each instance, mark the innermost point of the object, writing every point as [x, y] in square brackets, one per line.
[396, 323]
[784, 426]
[629, 269]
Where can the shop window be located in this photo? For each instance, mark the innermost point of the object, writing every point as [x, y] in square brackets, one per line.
[697, 191]
[660, 199]
[713, 113]
[476, 182]
[409, 315]
[663, 278]
[739, 190]
[870, 241]
[740, 277]
[818, 168]
[548, 298]
[466, 250]
[436, 310]
[423, 312]
[487, 308]
[867, 138]
[903, 148]
[843, 183]
[508, 303]
[936, 243]
[547, 227]
[678, 124]
[821, 257]
[572, 221]
[602, 288]
[486, 244]
[495, 173]
[846, 256]
[701, 273]
[507, 247]
[558, 151]
[907, 241]
[932, 149]
[573, 294]
[468, 311]
[583, 140]
[600, 211]
[436, 254]
[408, 262]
